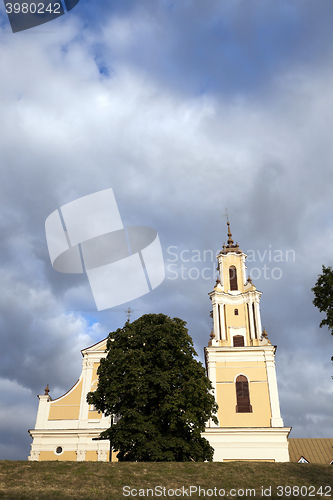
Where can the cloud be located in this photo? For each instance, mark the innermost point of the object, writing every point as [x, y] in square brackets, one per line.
[304, 391]
[17, 411]
[183, 110]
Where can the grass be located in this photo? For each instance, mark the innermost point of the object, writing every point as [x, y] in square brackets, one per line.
[105, 481]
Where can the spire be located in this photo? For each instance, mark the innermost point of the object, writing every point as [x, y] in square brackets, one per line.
[230, 240]
[231, 246]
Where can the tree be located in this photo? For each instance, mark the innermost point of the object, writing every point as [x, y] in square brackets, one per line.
[152, 381]
[323, 291]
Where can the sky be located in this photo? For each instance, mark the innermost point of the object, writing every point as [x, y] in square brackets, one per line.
[184, 108]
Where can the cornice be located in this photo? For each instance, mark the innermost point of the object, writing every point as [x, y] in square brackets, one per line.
[68, 432]
[238, 253]
[231, 298]
[247, 430]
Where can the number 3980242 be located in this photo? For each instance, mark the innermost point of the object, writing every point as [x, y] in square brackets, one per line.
[33, 8]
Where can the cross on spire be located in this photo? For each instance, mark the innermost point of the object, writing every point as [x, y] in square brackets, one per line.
[226, 215]
[128, 312]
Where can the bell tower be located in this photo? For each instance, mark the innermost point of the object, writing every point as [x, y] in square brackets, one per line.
[235, 301]
[240, 362]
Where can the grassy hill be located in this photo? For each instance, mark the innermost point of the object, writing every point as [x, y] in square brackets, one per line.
[113, 481]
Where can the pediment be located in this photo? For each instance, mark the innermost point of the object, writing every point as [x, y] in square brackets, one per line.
[100, 346]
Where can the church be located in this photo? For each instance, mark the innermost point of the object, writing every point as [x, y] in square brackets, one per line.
[240, 362]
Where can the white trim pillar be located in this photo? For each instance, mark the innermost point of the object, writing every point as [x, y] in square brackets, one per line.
[103, 451]
[87, 371]
[216, 321]
[252, 331]
[220, 262]
[223, 337]
[43, 411]
[211, 369]
[258, 320]
[243, 269]
[34, 456]
[276, 420]
[80, 455]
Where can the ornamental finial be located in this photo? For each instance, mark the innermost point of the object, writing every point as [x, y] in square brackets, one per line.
[230, 240]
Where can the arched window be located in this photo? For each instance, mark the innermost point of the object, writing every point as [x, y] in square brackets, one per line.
[238, 341]
[233, 278]
[236, 312]
[243, 395]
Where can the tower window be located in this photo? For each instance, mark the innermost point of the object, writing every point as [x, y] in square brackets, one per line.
[243, 395]
[238, 341]
[236, 312]
[233, 278]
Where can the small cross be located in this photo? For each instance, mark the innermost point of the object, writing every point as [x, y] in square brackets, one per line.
[128, 313]
[226, 215]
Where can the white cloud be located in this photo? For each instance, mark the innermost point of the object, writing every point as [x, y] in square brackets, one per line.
[175, 159]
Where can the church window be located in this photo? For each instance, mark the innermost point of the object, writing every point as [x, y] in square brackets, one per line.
[233, 278]
[236, 312]
[243, 395]
[238, 341]
[59, 450]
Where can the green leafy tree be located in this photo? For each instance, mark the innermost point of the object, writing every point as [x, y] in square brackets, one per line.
[323, 291]
[151, 379]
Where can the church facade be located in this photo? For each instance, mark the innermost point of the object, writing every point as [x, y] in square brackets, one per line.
[240, 362]
[67, 428]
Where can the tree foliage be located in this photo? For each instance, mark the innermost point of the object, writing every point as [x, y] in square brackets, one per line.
[151, 379]
[323, 291]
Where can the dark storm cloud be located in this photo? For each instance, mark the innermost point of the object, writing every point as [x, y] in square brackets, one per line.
[218, 46]
[207, 105]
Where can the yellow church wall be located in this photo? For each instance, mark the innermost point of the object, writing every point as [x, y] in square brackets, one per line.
[94, 377]
[71, 398]
[49, 456]
[67, 407]
[233, 319]
[228, 373]
[64, 413]
[94, 415]
[236, 321]
[227, 401]
[237, 364]
[102, 347]
[94, 374]
[91, 456]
